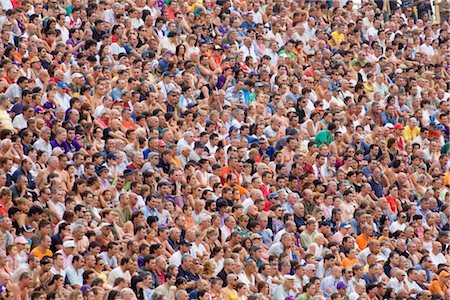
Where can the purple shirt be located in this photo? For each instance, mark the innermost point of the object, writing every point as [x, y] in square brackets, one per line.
[64, 146]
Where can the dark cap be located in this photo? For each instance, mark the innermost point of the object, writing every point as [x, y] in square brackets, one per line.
[45, 261]
[111, 156]
[28, 228]
[164, 183]
[199, 145]
[128, 172]
[101, 169]
[185, 243]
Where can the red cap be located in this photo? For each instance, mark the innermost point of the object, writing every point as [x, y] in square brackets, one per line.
[398, 126]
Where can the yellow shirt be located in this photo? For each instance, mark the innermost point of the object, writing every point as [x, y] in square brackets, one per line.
[447, 178]
[337, 38]
[409, 135]
[230, 294]
[5, 120]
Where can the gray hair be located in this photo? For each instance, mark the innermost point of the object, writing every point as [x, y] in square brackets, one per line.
[3, 98]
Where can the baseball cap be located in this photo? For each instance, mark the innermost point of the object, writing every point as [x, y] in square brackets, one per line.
[101, 169]
[398, 126]
[69, 244]
[288, 277]
[273, 195]
[62, 85]
[161, 143]
[341, 285]
[443, 274]
[20, 240]
[45, 261]
[111, 156]
[28, 228]
[103, 225]
[345, 225]
[39, 110]
[185, 243]
[75, 75]
[255, 236]
[127, 172]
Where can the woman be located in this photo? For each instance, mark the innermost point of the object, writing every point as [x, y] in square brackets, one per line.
[241, 226]
[276, 219]
[314, 124]
[217, 259]
[392, 262]
[392, 198]
[74, 43]
[56, 285]
[137, 285]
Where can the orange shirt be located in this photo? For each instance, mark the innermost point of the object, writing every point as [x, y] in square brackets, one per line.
[362, 240]
[128, 124]
[346, 262]
[36, 251]
[436, 287]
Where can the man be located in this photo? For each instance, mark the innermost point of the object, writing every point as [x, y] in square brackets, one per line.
[43, 143]
[44, 248]
[168, 287]
[185, 271]
[67, 250]
[228, 268]
[329, 283]
[400, 224]
[58, 265]
[74, 273]
[440, 285]
[365, 237]
[21, 288]
[326, 135]
[109, 256]
[121, 271]
[149, 267]
[285, 289]
[177, 257]
[308, 235]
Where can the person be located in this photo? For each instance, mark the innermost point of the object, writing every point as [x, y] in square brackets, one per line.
[284, 290]
[211, 149]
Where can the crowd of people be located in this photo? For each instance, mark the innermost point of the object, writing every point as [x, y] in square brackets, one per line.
[224, 150]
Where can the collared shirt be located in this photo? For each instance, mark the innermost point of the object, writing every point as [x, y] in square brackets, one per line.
[74, 277]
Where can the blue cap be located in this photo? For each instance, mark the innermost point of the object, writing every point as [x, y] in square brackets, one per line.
[273, 196]
[101, 169]
[62, 85]
[345, 225]
[111, 156]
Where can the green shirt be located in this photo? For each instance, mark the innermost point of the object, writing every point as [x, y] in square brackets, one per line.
[304, 296]
[323, 137]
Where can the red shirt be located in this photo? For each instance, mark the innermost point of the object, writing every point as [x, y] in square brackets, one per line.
[3, 209]
[392, 204]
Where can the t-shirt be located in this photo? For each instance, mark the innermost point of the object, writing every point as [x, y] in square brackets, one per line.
[36, 251]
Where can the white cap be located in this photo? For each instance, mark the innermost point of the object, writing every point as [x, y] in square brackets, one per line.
[288, 277]
[69, 244]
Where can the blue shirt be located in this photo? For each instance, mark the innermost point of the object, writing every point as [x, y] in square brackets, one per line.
[328, 282]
